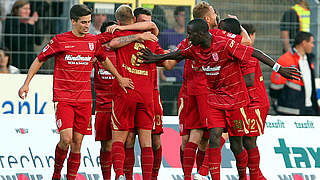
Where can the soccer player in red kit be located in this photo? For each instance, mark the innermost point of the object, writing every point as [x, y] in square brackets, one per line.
[74, 52]
[219, 57]
[134, 109]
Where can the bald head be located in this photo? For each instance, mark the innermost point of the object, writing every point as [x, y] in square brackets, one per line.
[124, 15]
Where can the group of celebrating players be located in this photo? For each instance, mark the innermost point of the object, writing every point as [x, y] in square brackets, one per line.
[222, 94]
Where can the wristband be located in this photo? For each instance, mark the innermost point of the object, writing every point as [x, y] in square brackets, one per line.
[276, 67]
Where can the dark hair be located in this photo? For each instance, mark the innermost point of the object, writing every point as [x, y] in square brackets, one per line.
[141, 10]
[199, 25]
[6, 53]
[230, 25]
[106, 24]
[249, 28]
[78, 11]
[178, 9]
[16, 6]
[302, 36]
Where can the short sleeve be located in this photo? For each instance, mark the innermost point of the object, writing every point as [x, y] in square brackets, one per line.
[105, 37]
[225, 34]
[158, 49]
[51, 49]
[237, 50]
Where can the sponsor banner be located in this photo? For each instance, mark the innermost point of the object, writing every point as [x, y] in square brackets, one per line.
[38, 101]
[289, 150]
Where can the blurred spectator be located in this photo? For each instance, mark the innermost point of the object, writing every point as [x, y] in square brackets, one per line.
[159, 17]
[96, 24]
[169, 39]
[296, 97]
[293, 21]
[5, 6]
[19, 34]
[5, 67]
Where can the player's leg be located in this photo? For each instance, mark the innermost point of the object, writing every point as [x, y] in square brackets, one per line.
[122, 118]
[237, 127]
[74, 156]
[190, 152]
[129, 153]
[256, 128]
[144, 121]
[184, 139]
[104, 135]
[64, 120]
[214, 152]
[157, 155]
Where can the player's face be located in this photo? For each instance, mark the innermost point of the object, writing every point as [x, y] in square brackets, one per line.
[212, 18]
[143, 18]
[81, 27]
[308, 45]
[193, 37]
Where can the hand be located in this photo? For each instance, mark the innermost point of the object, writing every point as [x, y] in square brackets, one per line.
[113, 28]
[232, 16]
[33, 19]
[290, 73]
[147, 36]
[147, 56]
[23, 92]
[126, 83]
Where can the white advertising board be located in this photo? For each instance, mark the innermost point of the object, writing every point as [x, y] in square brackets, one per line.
[290, 150]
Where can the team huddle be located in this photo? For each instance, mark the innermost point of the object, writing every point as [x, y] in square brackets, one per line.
[222, 96]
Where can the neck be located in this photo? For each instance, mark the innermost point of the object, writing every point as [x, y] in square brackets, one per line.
[4, 69]
[300, 50]
[207, 42]
[77, 33]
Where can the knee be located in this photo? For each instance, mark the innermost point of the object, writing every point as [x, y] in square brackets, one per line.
[185, 139]
[249, 143]
[215, 138]
[66, 140]
[236, 145]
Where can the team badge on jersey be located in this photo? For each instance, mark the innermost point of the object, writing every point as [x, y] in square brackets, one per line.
[215, 56]
[91, 46]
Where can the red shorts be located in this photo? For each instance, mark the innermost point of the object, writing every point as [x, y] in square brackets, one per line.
[182, 115]
[74, 115]
[158, 113]
[103, 131]
[256, 120]
[230, 119]
[128, 114]
[193, 112]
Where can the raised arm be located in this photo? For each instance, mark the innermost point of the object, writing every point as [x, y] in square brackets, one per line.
[34, 68]
[149, 57]
[125, 40]
[287, 72]
[141, 26]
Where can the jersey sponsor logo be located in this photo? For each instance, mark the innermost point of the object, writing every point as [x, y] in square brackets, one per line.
[69, 57]
[91, 46]
[45, 48]
[211, 71]
[135, 71]
[215, 56]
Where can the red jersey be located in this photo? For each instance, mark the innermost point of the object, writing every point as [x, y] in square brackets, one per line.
[257, 93]
[142, 75]
[73, 65]
[194, 80]
[103, 80]
[220, 63]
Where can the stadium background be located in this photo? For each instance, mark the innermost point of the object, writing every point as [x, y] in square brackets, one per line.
[265, 15]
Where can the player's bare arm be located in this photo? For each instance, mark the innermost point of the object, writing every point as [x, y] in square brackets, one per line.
[287, 72]
[148, 57]
[124, 82]
[34, 68]
[124, 40]
[142, 26]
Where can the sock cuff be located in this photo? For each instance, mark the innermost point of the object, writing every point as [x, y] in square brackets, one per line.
[253, 150]
[147, 149]
[191, 145]
[61, 151]
[117, 143]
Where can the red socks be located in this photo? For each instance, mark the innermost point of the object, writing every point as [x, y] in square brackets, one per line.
[60, 156]
[200, 158]
[73, 165]
[106, 162]
[253, 164]
[214, 162]
[147, 162]
[118, 157]
[157, 158]
[188, 159]
[241, 162]
[129, 163]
